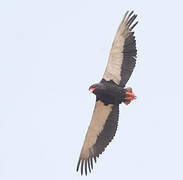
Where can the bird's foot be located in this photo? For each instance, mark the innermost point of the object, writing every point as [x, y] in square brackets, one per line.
[129, 96]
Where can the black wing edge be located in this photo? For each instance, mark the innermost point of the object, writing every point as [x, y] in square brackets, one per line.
[129, 51]
[86, 164]
[130, 19]
[103, 139]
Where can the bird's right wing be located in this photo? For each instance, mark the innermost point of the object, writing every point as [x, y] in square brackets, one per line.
[122, 57]
[100, 132]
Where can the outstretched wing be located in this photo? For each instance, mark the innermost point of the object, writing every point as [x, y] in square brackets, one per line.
[123, 52]
[100, 132]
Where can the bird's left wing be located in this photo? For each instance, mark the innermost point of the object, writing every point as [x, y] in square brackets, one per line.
[100, 132]
[123, 52]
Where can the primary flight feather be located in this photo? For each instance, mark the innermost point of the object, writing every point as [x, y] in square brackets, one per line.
[110, 92]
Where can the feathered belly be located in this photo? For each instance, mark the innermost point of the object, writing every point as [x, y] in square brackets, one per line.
[107, 99]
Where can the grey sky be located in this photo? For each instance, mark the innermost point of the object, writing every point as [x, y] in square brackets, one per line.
[51, 52]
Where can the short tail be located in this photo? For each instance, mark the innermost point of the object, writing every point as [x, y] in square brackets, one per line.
[129, 96]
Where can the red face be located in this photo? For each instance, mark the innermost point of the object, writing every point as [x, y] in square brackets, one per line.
[91, 89]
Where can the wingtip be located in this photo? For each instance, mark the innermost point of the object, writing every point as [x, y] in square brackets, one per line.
[129, 15]
[91, 161]
[132, 11]
[131, 28]
[82, 167]
[78, 165]
[95, 159]
[86, 165]
[89, 165]
[125, 16]
[129, 18]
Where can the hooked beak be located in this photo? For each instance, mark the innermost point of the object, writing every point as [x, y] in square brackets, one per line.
[91, 89]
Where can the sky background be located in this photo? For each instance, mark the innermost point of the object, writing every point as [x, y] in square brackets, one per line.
[51, 52]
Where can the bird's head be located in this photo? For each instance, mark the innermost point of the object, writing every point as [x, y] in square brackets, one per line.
[95, 88]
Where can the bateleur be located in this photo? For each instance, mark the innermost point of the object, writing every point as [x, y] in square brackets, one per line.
[110, 92]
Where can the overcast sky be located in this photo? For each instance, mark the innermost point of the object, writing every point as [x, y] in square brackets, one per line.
[51, 52]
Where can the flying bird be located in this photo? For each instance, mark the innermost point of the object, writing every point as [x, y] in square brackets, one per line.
[110, 92]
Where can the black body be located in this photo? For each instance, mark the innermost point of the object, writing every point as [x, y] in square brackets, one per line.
[109, 92]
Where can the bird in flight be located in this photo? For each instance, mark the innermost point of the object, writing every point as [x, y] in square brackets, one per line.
[110, 92]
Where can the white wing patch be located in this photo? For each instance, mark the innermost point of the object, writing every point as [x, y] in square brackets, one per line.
[100, 115]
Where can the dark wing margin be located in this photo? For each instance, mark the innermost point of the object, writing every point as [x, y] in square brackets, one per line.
[99, 134]
[109, 131]
[123, 52]
[129, 59]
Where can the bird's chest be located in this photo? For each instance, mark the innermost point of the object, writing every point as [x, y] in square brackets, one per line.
[110, 96]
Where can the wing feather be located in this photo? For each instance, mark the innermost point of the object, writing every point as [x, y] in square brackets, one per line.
[123, 49]
[104, 120]
[100, 132]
